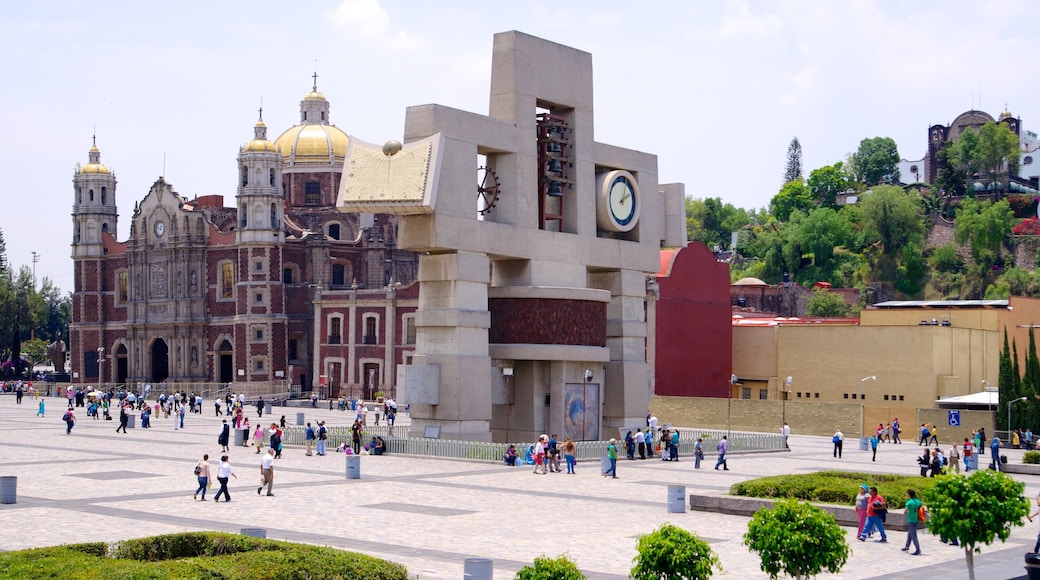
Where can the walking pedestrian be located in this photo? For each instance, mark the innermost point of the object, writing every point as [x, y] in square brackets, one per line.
[914, 509]
[267, 473]
[698, 454]
[124, 418]
[70, 420]
[223, 473]
[969, 458]
[612, 452]
[640, 439]
[569, 454]
[955, 460]
[722, 447]
[258, 438]
[877, 510]
[861, 508]
[225, 436]
[838, 440]
[309, 436]
[994, 451]
[1036, 499]
[202, 472]
[873, 447]
[539, 455]
[39, 412]
[896, 430]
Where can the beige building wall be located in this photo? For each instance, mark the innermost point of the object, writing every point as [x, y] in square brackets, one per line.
[914, 364]
[810, 417]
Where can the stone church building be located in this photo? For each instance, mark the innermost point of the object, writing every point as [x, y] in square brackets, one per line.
[279, 288]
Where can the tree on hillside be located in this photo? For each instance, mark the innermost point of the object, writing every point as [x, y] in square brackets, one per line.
[827, 304]
[876, 161]
[1005, 382]
[984, 226]
[891, 217]
[827, 182]
[949, 178]
[997, 151]
[975, 510]
[793, 168]
[910, 274]
[712, 222]
[794, 195]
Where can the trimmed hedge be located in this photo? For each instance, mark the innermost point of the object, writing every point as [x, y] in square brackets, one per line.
[197, 555]
[1031, 457]
[836, 487]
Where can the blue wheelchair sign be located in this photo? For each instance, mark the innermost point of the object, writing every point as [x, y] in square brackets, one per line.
[953, 418]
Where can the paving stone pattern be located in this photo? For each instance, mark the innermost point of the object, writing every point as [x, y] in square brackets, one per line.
[428, 514]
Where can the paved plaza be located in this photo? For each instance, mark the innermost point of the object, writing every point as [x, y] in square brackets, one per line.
[427, 514]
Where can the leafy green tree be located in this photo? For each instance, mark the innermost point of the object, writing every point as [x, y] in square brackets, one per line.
[891, 217]
[946, 258]
[798, 539]
[712, 222]
[825, 303]
[975, 510]
[35, 350]
[876, 161]
[670, 552]
[793, 168]
[983, 226]
[964, 156]
[546, 568]
[827, 182]
[949, 178]
[910, 273]
[998, 150]
[793, 196]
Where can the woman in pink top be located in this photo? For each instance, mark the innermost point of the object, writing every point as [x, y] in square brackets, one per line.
[258, 438]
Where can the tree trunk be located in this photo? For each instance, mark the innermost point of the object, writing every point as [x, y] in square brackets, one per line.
[969, 555]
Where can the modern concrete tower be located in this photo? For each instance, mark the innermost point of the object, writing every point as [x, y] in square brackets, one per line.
[533, 281]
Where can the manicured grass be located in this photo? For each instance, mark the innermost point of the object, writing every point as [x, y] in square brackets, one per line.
[196, 555]
[838, 487]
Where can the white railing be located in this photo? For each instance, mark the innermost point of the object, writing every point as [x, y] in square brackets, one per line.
[495, 452]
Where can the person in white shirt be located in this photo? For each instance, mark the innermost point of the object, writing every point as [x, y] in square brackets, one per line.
[786, 432]
[640, 438]
[223, 473]
[267, 472]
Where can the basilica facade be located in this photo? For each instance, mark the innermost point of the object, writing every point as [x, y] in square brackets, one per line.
[278, 289]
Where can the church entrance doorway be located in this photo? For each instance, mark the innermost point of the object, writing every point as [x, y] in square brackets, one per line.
[225, 363]
[160, 360]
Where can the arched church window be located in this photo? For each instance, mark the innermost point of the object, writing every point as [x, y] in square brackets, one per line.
[274, 216]
[271, 176]
[245, 175]
[334, 231]
[242, 214]
[312, 193]
[104, 195]
[90, 195]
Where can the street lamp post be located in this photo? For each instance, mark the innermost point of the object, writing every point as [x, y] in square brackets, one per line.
[101, 367]
[507, 376]
[861, 403]
[1018, 400]
[787, 387]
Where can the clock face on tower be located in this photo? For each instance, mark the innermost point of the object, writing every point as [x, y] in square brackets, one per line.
[160, 229]
[618, 201]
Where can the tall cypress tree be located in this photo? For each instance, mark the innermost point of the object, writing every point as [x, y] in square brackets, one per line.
[1006, 382]
[1025, 409]
[793, 167]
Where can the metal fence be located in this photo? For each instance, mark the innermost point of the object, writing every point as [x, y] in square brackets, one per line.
[495, 452]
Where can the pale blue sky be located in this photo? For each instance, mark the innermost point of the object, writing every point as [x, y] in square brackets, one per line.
[715, 89]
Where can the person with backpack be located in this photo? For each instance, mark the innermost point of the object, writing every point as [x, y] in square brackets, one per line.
[309, 436]
[915, 516]
[70, 420]
[323, 436]
[612, 456]
[877, 511]
[838, 440]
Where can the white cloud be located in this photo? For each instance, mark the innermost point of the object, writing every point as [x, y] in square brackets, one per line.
[371, 22]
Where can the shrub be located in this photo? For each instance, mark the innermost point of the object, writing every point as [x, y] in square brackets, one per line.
[670, 552]
[546, 568]
[1031, 457]
[839, 487]
[1027, 227]
[798, 539]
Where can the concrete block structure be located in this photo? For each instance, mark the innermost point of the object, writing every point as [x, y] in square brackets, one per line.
[533, 281]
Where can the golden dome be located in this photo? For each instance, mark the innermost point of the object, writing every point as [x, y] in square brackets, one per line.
[314, 95]
[313, 143]
[1006, 114]
[94, 168]
[259, 145]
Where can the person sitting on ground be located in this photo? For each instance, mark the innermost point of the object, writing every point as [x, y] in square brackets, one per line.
[511, 455]
[378, 446]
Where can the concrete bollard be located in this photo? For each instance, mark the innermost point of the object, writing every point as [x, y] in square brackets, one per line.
[676, 499]
[8, 489]
[299, 419]
[240, 437]
[478, 569]
[268, 409]
[254, 532]
[353, 467]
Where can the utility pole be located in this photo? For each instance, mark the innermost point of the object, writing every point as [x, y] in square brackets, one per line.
[35, 259]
